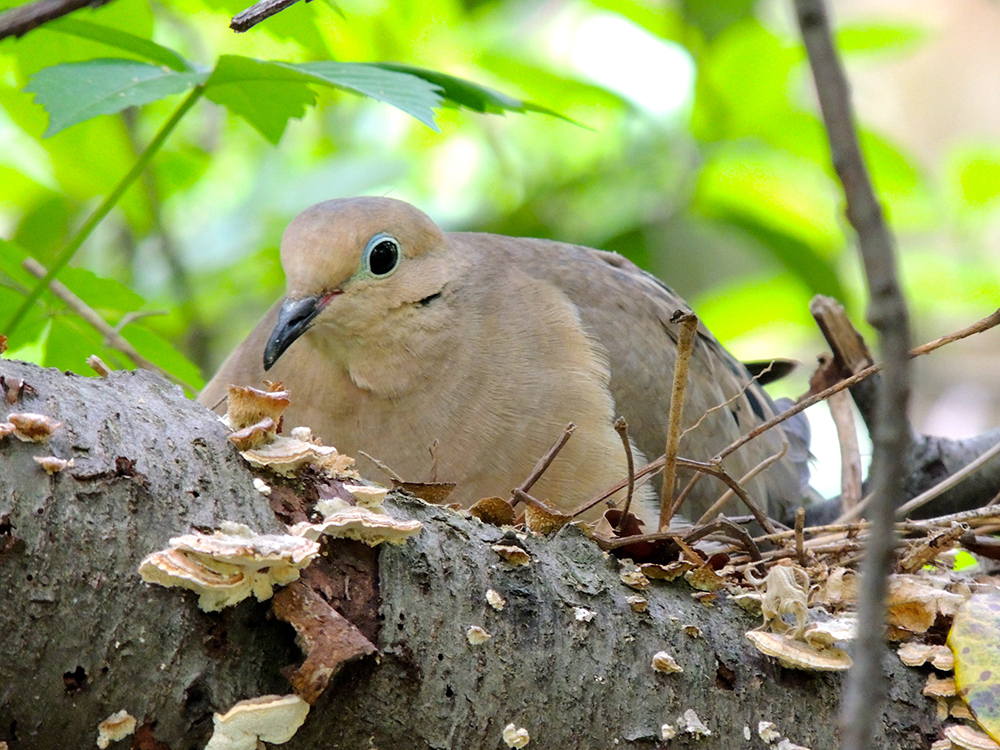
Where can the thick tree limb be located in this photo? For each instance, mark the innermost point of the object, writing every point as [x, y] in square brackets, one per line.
[82, 630]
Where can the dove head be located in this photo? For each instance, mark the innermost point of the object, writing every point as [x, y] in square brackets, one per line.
[351, 264]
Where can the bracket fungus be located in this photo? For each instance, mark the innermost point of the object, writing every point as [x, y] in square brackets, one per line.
[798, 654]
[28, 427]
[226, 567]
[361, 524]
[269, 718]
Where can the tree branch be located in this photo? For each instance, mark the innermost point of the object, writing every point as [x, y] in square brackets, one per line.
[888, 315]
[24, 18]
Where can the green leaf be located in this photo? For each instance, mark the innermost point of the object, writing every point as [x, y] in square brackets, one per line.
[415, 96]
[797, 256]
[159, 351]
[103, 295]
[462, 93]
[70, 341]
[713, 16]
[123, 40]
[979, 179]
[74, 92]
[268, 94]
[265, 94]
[878, 38]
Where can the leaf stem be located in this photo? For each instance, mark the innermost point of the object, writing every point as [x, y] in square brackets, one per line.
[106, 205]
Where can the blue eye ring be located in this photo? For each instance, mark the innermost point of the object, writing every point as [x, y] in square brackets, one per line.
[381, 256]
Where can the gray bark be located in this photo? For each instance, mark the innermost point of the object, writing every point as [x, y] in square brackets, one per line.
[84, 637]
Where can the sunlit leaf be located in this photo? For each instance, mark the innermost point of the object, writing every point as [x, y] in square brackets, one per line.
[269, 94]
[881, 37]
[713, 16]
[979, 179]
[74, 92]
[122, 40]
[462, 93]
[975, 641]
[797, 256]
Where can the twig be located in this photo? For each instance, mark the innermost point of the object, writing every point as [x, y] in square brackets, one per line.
[621, 427]
[98, 366]
[887, 312]
[800, 521]
[66, 254]
[685, 346]
[718, 472]
[729, 401]
[112, 338]
[990, 321]
[384, 468]
[22, 19]
[743, 481]
[544, 462]
[947, 483]
[850, 450]
[247, 19]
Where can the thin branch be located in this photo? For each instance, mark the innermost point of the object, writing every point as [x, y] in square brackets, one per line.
[947, 483]
[247, 19]
[24, 18]
[743, 481]
[621, 427]
[685, 346]
[887, 312]
[67, 253]
[112, 338]
[850, 450]
[544, 462]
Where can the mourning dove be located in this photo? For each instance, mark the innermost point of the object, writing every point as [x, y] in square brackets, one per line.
[394, 334]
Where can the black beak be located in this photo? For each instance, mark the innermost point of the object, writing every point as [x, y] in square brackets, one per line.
[296, 317]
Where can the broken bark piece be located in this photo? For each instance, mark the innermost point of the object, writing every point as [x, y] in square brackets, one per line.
[493, 510]
[328, 639]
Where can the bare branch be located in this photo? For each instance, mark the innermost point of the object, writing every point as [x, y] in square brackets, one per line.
[247, 19]
[887, 312]
[24, 18]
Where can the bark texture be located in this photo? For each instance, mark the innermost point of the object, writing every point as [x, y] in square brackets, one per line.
[83, 636]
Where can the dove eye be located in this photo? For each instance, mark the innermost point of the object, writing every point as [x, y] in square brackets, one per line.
[382, 255]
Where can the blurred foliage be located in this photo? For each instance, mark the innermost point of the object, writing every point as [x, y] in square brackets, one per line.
[715, 175]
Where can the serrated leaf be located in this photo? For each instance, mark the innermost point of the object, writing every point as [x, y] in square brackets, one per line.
[268, 94]
[123, 40]
[462, 93]
[265, 94]
[74, 92]
[414, 95]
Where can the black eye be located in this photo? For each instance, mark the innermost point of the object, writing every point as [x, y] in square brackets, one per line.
[383, 256]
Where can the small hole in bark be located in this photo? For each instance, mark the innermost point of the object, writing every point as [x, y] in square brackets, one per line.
[75, 681]
[30, 577]
[725, 678]
[440, 657]
[448, 692]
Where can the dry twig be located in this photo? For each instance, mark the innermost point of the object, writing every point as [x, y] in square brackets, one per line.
[112, 338]
[685, 346]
